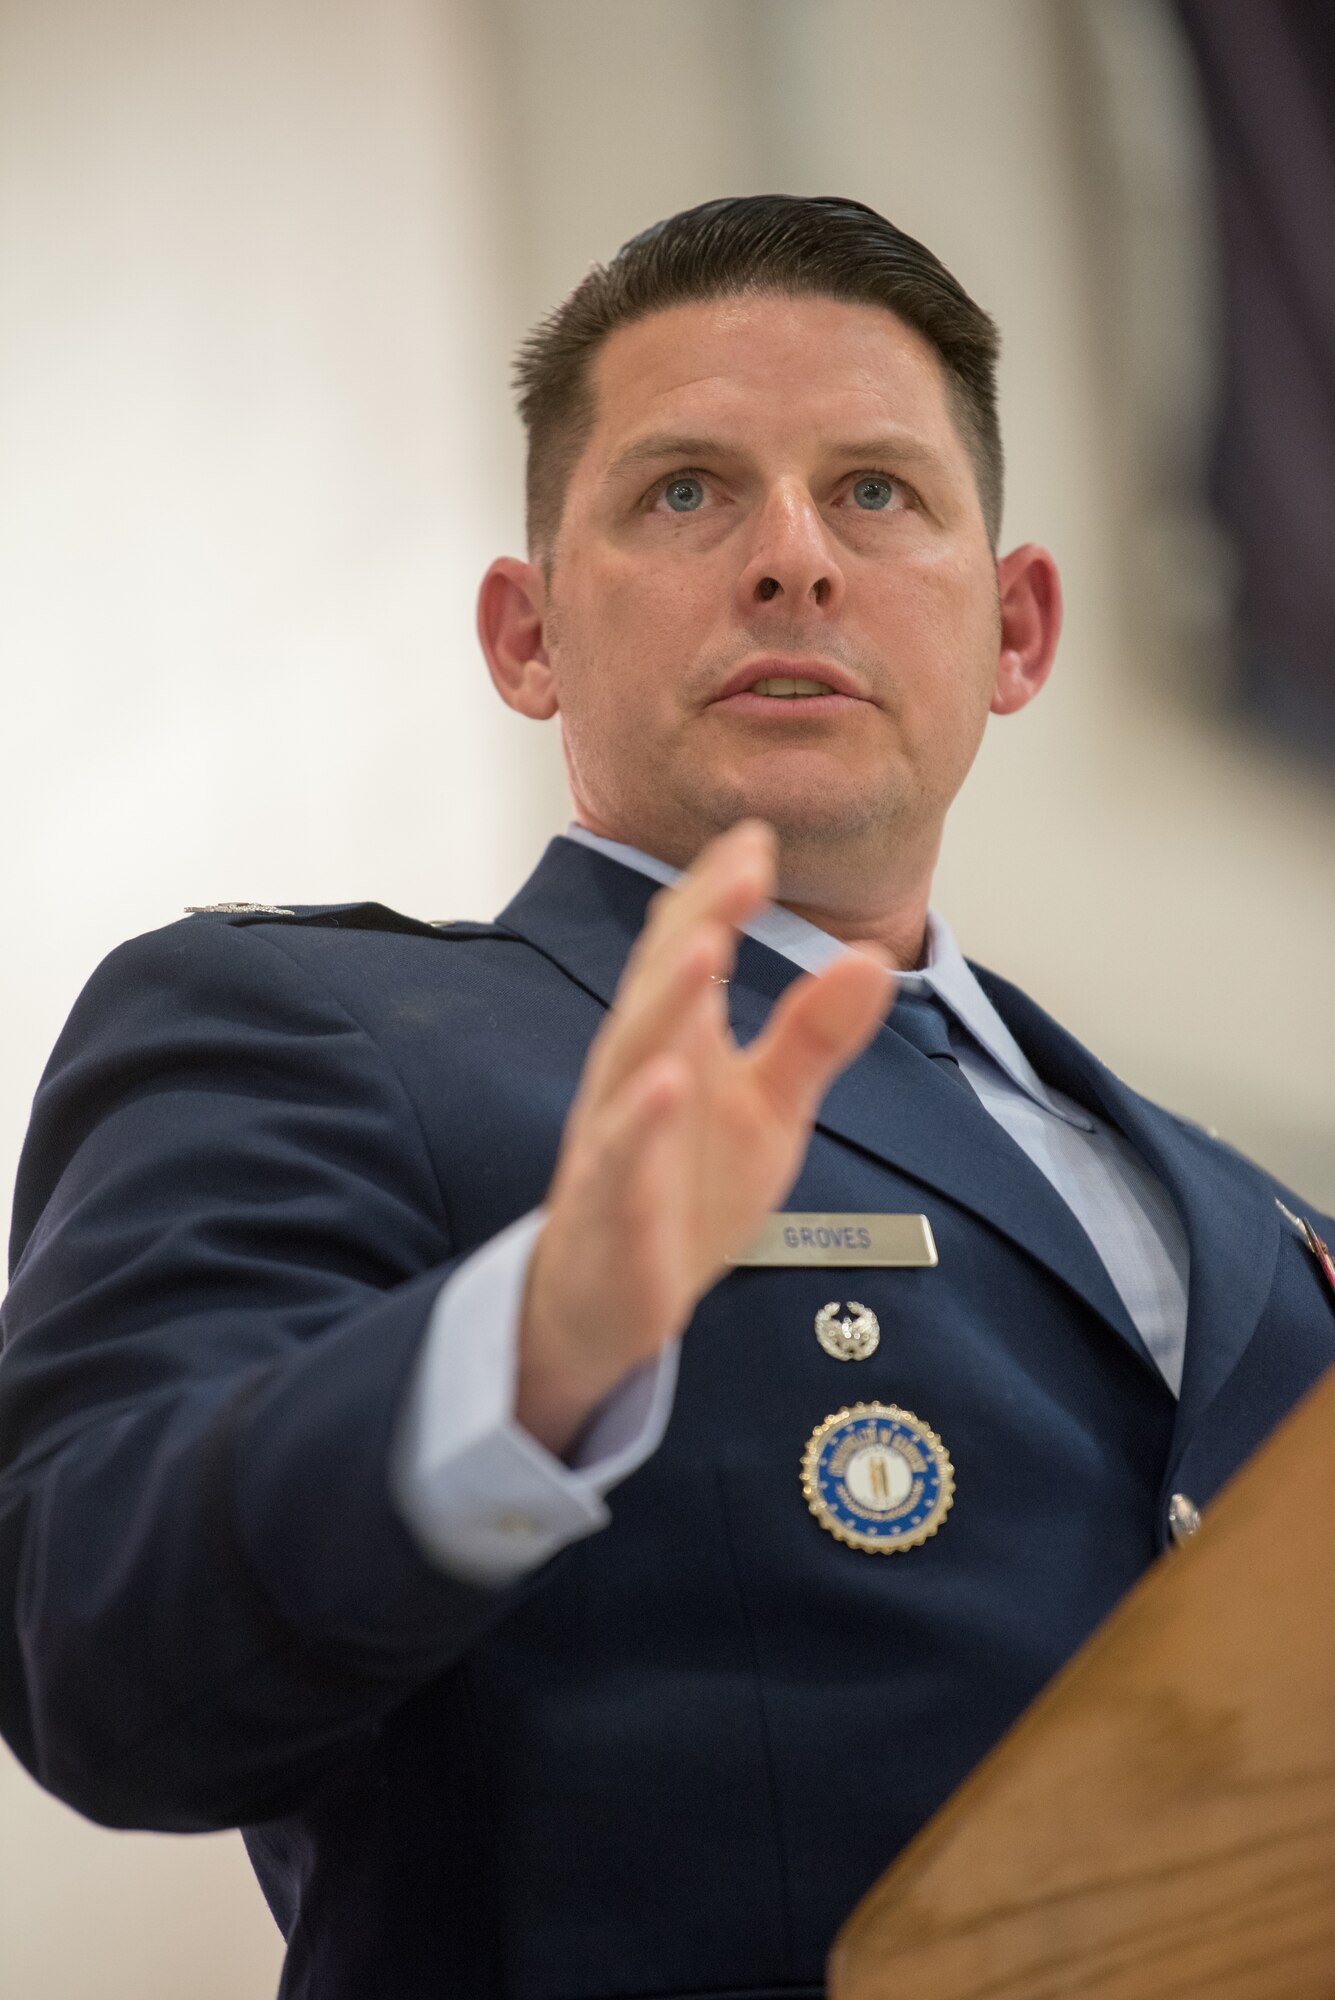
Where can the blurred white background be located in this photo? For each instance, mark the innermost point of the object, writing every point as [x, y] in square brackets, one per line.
[265, 265]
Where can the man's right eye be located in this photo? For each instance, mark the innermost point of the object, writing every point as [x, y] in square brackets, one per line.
[684, 493]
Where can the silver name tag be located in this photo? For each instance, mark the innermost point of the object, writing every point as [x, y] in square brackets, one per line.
[892, 1241]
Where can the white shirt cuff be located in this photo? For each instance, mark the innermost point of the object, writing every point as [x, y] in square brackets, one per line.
[485, 1500]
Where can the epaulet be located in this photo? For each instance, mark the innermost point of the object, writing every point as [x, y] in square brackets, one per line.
[344, 916]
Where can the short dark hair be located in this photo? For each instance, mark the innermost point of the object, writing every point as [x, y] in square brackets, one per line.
[755, 244]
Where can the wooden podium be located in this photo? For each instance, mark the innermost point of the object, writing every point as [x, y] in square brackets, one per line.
[1160, 1824]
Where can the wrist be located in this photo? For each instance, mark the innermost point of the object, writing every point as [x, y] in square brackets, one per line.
[558, 1386]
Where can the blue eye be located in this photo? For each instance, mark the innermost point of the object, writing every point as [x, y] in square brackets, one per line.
[873, 492]
[684, 494]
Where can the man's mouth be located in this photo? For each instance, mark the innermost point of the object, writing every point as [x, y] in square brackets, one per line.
[790, 690]
[763, 681]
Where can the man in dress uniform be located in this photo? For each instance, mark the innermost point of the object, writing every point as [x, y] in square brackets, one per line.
[577, 1432]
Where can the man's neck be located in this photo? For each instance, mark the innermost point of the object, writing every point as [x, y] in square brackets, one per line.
[901, 931]
[898, 923]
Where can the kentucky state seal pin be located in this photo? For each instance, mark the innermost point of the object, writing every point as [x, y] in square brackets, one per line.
[878, 1478]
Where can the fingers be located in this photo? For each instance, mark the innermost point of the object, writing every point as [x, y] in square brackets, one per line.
[818, 1027]
[688, 941]
[649, 1018]
[726, 883]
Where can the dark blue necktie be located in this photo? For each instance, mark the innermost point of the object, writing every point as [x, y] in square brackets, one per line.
[921, 1022]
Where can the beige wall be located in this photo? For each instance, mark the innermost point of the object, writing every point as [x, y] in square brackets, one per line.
[270, 260]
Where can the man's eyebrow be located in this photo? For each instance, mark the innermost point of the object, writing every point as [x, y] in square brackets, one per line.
[668, 444]
[902, 446]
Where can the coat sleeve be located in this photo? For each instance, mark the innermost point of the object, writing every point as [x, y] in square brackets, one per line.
[228, 1237]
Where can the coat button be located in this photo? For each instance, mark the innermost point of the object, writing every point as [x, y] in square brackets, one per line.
[1184, 1517]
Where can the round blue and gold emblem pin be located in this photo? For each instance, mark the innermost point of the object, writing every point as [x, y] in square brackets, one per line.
[877, 1477]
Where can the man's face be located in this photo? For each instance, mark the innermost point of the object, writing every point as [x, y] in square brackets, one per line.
[773, 491]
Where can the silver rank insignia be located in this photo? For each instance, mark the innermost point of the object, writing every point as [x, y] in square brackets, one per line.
[877, 1478]
[1319, 1248]
[1321, 1251]
[852, 1337]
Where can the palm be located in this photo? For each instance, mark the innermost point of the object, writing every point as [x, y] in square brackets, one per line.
[739, 1152]
[678, 1143]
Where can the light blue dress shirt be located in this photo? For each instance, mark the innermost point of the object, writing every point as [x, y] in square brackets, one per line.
[488, 1502]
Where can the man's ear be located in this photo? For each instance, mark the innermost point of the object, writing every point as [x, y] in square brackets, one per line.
[511, 607]
[1030, 595]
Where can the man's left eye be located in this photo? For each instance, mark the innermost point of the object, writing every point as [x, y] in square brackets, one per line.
[684, 493]
[873, 491]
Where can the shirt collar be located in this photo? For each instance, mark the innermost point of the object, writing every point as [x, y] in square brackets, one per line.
[946, 974]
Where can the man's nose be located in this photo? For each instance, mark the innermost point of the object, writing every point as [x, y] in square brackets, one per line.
[791, 562]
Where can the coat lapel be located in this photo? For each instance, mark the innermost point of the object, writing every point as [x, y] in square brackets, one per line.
[1233, 1229]
[584, 912]
[894, 1105]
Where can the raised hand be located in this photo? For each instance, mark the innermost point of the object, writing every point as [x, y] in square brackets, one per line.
[678, 1143]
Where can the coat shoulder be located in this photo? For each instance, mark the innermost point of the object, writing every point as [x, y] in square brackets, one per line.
[263, 965]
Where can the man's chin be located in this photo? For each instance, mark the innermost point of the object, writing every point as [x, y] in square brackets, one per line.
[804, 818]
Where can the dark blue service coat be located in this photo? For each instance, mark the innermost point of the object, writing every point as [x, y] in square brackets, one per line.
[670, 1762]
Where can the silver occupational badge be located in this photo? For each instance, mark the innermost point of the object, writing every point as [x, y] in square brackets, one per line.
[851, 1337]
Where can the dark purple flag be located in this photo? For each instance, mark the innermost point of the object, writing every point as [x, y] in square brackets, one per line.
[1267, 70]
